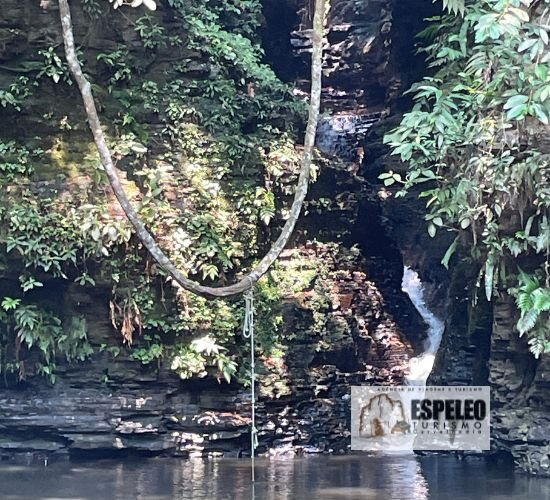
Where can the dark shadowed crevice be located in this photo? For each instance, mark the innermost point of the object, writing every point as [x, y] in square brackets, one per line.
[280, 19]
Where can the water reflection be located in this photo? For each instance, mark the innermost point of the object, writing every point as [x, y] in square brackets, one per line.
[326, 478]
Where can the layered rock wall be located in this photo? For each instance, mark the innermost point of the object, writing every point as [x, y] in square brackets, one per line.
[352, 325]
[481, 345]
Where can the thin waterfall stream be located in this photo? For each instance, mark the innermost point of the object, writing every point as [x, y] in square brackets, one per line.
[421, 366]
[338, 135]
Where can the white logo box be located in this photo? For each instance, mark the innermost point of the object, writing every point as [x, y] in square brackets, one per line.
[401, 418]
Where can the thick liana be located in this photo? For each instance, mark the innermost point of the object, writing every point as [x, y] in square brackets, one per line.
[141, 231]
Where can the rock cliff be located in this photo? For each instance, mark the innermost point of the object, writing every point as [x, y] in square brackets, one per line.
[344, 321]
[348, 322]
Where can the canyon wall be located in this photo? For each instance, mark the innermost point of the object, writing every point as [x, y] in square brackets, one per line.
[348, 323]
[481, 345]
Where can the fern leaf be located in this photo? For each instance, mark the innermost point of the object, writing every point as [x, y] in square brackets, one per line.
[541, 299]
[527, 321]
[528, 282]
[454, 6]
[537, 346]
[524, 301]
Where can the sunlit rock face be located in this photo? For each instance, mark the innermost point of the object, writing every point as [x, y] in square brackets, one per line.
[357, 74]
[357, 53]
[340, 134]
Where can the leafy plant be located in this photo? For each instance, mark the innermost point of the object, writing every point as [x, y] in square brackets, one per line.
[53, 66]
[151, 33]
[93, 8]
[203, 148]
[470, 140]
[194, 359]
[119, 64]
[43, 336]
[533, 301]
[17, 92]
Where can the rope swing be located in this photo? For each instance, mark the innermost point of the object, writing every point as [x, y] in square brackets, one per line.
[245, 284]
[248, 333]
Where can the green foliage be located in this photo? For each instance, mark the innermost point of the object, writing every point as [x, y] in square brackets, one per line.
[194, 359]
[151, 33]
[15, 161]
[119, 65]
[533, 301]
[471, 138]
[37, 339]
[148, 354]
[53, 66]
[56, 237]
[93, 8]
[16, 94]
[202, 142]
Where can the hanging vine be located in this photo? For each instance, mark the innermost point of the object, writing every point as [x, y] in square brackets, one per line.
[142, 232]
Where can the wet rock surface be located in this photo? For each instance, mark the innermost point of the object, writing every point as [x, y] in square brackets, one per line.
[521, 394]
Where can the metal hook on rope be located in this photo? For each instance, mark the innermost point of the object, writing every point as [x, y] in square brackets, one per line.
[248, 326]
[248, 333]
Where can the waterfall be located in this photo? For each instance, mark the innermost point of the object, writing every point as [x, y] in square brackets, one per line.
[421, 366]
[341, 134]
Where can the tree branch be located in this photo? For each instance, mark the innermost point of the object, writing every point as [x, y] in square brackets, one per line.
[143, 234]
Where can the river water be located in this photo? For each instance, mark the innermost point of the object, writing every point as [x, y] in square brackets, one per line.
[384, 477]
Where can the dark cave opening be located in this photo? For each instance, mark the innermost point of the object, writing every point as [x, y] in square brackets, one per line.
[281, 18]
